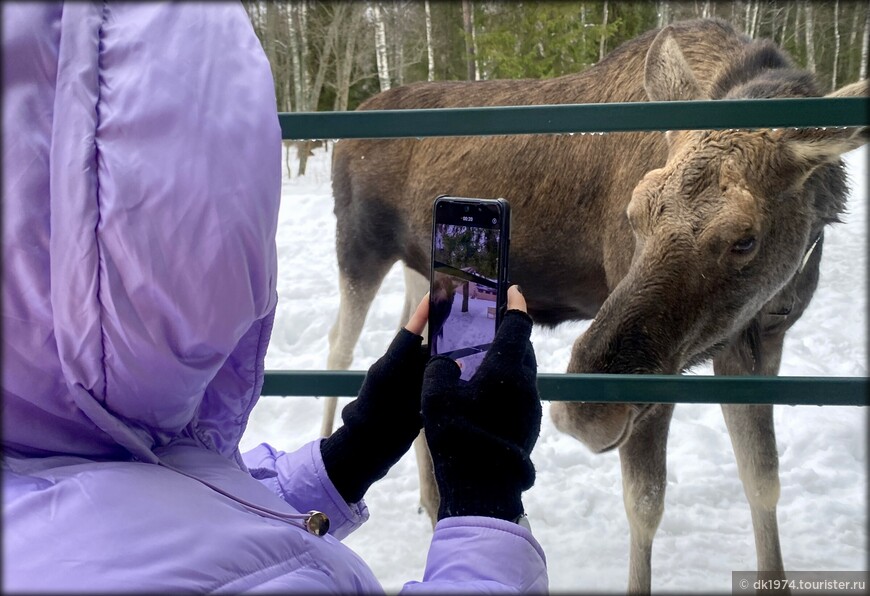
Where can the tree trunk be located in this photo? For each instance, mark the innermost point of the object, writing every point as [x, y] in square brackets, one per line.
[468, 25]
[430, 51]
[784, 25]
[306, 60]
[754, 30]
[295, 59]
[474, 43]
[853, 34]
[344, 66]
[381, 48]
[286, 77]
[323, 64]
[662, 11]
[797, 25]
[836, 44]
[602, 43]
[252, 9]
[399, 43]
[747, 18]
[271, 43]
[862, 71]
[808, 32]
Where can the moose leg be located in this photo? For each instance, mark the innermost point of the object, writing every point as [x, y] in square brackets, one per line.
[416, 286]
[643, 459]
[752, 435]
[430, 499]
[754, 443]
[355, 298]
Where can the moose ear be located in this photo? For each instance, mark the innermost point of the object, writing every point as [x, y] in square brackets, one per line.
[667, 75]
[817, 146]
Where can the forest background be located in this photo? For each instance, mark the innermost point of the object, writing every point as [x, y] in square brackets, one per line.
[332, 55]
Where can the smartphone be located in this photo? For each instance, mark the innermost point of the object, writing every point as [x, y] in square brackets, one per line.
[468, 277]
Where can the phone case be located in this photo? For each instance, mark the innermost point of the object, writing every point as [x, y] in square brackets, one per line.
[469, 257]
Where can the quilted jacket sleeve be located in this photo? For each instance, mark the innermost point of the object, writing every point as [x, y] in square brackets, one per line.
[471, 555]
[300, 479]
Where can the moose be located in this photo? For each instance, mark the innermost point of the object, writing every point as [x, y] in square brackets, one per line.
[681, 246]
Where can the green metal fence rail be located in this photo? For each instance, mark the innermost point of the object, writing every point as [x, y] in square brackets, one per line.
[596, 118]
[796, 391]
[578, 118]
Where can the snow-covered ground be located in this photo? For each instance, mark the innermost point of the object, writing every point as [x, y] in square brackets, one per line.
[576, 504]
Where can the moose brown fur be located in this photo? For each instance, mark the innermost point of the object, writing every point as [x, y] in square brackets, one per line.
[683, 246]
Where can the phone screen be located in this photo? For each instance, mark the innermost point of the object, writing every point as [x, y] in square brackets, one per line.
[467, 277]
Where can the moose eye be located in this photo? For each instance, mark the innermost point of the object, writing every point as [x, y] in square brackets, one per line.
[743, 246]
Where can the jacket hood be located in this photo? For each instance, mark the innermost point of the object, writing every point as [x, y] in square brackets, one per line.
[141, 184]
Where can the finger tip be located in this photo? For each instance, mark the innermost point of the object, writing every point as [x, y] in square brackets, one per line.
[515, 299]
[417, 322]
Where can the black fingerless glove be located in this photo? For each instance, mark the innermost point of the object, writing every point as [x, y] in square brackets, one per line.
[381, 423]
[481, 432]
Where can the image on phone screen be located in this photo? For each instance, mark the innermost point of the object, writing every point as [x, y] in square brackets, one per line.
[463, 298]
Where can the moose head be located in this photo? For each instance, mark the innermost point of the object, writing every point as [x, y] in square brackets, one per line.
[727, 239]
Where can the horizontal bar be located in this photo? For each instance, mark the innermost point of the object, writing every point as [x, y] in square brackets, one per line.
[578, 118]
[799, 391]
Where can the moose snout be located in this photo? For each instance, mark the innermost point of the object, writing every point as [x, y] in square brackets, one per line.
[601, 427]
[615, 344]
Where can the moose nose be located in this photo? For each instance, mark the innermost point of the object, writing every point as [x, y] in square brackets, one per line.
[601, 427]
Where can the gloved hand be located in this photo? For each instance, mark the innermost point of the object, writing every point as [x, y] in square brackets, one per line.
[384, 419]
[481, 432]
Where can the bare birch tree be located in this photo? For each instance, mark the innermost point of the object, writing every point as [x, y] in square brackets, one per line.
[853, 34]
[797, 23]
[836, 44]
[662, 13]
[784, 19]
[313, 97]
[470, 42]
[396, 44]
[474, 42]
[602, 44]
[808, 33]
[862, 70]
[753, 30]
[295, 58]
[381, 48]
[747, 18]
[271, 45]
[344, 63]
[430, 51]
[302, 12]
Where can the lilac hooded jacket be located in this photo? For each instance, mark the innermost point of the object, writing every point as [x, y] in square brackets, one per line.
[141, 181]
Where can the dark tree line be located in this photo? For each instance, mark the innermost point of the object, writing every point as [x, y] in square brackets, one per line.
[333, 54]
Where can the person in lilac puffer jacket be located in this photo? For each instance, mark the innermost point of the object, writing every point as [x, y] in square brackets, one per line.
[141, 183]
